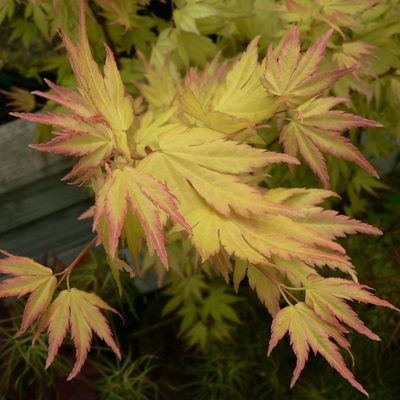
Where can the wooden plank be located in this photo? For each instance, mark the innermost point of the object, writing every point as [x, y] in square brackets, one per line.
[37, 200]
[21, 165]
[59, 233]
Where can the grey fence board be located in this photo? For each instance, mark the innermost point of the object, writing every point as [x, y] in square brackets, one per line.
[21, 165]
[38, 212]
[59, 234]
[37, 200]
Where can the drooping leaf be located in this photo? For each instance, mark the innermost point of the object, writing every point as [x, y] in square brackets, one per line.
[79, 312]
[27, 276]
[128, 189]
[263, 280]
[307, 331]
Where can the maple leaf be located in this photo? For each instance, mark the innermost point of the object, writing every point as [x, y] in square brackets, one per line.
[262, 280]
[200, 165]
[335, 13]
[240, 92]
[80, 312]
[303, 199]
[327, 223]
[258, 239]
[27, 277]
[227, 97]
[315, 130]
[307, 331]
[293, 76]
[327, 297]
[127, 188]
[119, 12]
[101, 111]
[355, 54]
[160, 87]
[290, 237]
[20, 99]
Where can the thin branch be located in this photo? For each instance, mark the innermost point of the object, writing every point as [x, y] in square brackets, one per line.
[67, 271]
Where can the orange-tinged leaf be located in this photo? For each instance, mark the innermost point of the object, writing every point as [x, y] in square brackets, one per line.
[301, 198]
[21, 285]
[101, 110]
[56, 319]
[71, 100]
[307, 331]
[331, 224]
[347, 290]
[76, 144]
[81, 332]
[256, 241]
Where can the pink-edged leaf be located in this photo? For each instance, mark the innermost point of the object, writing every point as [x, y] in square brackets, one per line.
[78, 312]
[148, 199]
[307, 331]
[69, 99]
[74, 144]
[37, 303]
[56, 319]
[331, 224]
[327, 297]
[21, 266]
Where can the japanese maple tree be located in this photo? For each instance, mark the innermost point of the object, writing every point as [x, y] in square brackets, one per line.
[190, 157]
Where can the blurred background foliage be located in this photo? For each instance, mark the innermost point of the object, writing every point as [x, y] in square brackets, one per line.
[195, 338]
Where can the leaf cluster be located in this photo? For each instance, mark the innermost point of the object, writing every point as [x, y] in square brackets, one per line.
[179, 153]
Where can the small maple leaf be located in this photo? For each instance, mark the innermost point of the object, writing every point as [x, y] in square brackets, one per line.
[307, 331]
[315, 130]
[335, 13]
[355, 54]
[27, 277]
[327, 297]
[227, 97]
[240, 92]
[293, 76]
[313, 323]
[20, 99]
[80, 312]
[128, 189]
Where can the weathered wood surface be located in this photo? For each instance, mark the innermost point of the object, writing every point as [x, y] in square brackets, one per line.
[38, 212]
[20, 164]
